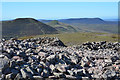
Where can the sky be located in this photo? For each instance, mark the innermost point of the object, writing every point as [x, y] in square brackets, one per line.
[60, 0]
[59, 10]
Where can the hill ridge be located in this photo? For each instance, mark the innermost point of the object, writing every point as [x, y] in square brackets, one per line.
[26, 27]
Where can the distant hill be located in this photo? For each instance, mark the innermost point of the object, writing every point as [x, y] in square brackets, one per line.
[62, 27]
[90, 24]
[83, 20]
[78, 20]
[25, 27]
[45, 21]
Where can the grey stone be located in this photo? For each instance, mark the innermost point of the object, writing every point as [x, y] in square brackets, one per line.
[39, 70]
[14, 71]
[38, 77]
[1, 56]
[51, 57]
[28, 50]
[79, 72]
[59, 75]
[70, 72]
[20, 53]
[12, 64]
[74, 59]
[18, 77]
[45, 73]
[30, 70]
[42, 54]
[24, 74]
[104, 76]
[53, 77]
[113, 73]
[96, 76]
[46, 57]
[108, 60]
[52, 67]
[85, 78]
[61, 68]
[9, 76]
[70, 77]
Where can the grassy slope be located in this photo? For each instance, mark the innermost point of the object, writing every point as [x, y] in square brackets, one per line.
[93, 25]
[25, 27]
[62, 27]
[110, 28]
[79, 38]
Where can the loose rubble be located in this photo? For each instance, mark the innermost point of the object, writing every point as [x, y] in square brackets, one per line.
[43, 58]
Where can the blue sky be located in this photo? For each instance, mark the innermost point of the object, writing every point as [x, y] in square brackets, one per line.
[59, 10]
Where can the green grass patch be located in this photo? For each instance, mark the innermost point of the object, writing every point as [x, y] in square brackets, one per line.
[80, 37]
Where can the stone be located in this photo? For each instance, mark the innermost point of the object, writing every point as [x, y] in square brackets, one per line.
[39, 58]
[114, 58]
[17, 67]
[14, 71]
[60, 56]
[42, 54]
[12, 64]
[70, 77]
[53, 77]
[70, 72]
[85, 78]
[6, 70]
[96, 76]
[59, 75]
[45, 73]
[52, 67]
[74, 60]
[108, 60]
[29, 69]
[25, 74]
[39, 70]
[18, 77]
[51, 57]
[79, 72]
[22, 54]
[20, 62]
[9, 76]
[61, 68]
[28, 50]
[104, 76]
[16, 57]
[82, 63]
[1, 56]
[4, 63]
[38, 77]
[113, 73]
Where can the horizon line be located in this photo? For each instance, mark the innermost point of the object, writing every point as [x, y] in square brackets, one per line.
[60, 18]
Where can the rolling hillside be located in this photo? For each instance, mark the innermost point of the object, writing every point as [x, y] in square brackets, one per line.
[90, 24]
[62, 27]
[25, 27]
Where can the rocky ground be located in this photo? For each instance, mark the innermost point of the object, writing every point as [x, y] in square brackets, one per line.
[48, 58]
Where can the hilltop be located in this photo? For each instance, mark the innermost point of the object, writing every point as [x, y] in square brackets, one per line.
[25, 27]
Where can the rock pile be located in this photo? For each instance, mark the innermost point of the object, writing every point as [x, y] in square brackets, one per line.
[41, 58]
